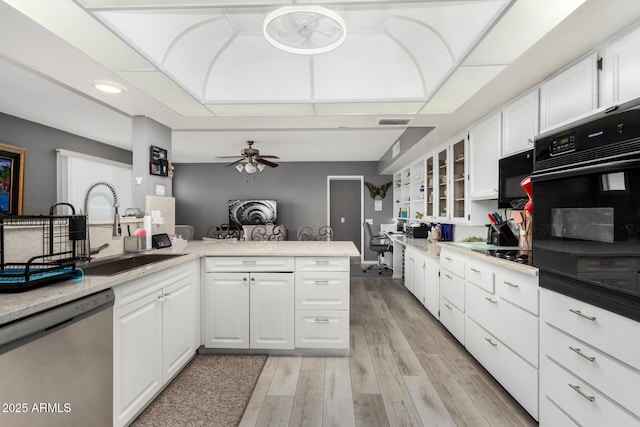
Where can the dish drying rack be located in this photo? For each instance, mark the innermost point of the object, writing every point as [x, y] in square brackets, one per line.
[63, 245]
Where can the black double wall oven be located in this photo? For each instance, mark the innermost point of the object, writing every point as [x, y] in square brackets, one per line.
[586, 213]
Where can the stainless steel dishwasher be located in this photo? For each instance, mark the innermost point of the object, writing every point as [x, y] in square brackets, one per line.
[56, 367]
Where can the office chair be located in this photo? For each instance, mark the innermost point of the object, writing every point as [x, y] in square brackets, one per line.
[379, 244]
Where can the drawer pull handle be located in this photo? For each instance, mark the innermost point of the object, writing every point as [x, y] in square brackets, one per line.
[321, 282]
[322, 319]
[582, 393]
[322, 261]
[579, 351]
[448, 306]
[495, 344]
[447, 276]
[491, 300]
[248, 262]
[579, 313]
[475, 270]
[448, 258]
[513, 285]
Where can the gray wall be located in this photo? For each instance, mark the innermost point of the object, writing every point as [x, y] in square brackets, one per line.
[41, 143]
[146, 132]
[203, 192]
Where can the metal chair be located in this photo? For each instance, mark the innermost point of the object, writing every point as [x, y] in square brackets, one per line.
[378, 244]
[268, 232]
[315, 232]
[224, 231]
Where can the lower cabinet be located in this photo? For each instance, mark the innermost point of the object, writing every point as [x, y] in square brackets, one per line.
[249, 310]
[432, 286]
[156, 333]
[590, 364]
[452, 290]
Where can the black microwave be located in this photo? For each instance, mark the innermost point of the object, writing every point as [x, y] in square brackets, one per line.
[511, 171]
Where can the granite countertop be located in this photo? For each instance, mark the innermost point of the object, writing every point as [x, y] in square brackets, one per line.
[433, 249]
[14, 306]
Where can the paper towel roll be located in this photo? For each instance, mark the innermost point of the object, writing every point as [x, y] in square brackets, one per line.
[147, 228]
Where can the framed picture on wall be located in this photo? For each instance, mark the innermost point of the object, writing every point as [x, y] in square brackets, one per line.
[12, 164]
[158, 164]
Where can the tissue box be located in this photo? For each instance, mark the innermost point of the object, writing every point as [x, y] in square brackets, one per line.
[135, 244]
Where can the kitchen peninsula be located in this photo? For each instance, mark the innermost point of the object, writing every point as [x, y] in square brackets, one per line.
[281, 297]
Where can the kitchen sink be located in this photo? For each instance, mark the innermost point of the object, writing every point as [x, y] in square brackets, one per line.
[122, 263]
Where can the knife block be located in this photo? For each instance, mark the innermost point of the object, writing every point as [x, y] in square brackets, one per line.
[503, 236]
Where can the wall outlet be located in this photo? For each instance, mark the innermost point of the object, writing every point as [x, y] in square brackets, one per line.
[342, 220]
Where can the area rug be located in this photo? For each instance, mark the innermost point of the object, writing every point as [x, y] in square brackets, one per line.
[213, 390]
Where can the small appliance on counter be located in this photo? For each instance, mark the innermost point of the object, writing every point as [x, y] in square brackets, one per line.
[418, 231]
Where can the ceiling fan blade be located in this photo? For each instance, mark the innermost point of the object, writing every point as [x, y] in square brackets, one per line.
[266, 156]
[266, 162]
[233, 163]
[229, 157]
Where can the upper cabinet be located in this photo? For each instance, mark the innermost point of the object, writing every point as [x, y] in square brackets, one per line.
[484, 153]
[569, 94]
[458, 179]
[519, 124]
[620, 70]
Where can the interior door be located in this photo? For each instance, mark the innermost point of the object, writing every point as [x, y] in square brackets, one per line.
[345, 210]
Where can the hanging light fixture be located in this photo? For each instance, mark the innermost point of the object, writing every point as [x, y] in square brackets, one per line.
[249, 167]
[305, 30]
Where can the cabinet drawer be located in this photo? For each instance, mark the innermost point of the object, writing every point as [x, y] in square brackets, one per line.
[615, 380]
[452, 288]
[452, 319]
[551, 415]
[249, 264]
[517, 376]
[322, 329]
[453, 263]
[322, 263]
[582, 402]
[322, 291]
[519, 289]
[480, 274]
[513, 326]
[606, 331]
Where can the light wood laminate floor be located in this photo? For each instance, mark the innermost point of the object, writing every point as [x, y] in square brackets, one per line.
[405, 369]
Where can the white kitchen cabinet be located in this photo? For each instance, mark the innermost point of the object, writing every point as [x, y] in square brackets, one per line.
[520, 124]
[502, 331]
[409, 269]
[414, 271]
[452, 269]
[569, 94]
[249, 310]
[484, 153]
[620, 69]
[432, 286]
[156, 333]
[226, 310]
[322, 287]
[137, 356]
[589, 366]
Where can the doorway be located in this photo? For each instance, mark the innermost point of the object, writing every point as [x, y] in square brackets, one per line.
[345, 209]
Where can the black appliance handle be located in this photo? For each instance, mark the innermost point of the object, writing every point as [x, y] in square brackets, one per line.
[584, 170]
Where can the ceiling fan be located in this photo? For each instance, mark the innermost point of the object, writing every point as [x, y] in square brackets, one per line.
[252, 158]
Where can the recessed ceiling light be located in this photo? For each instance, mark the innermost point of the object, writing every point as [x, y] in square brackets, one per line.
[108, 87]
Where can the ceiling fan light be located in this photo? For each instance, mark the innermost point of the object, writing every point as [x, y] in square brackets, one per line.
[249, 168]
[305, 30]
[240, 168]
[260, 167]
